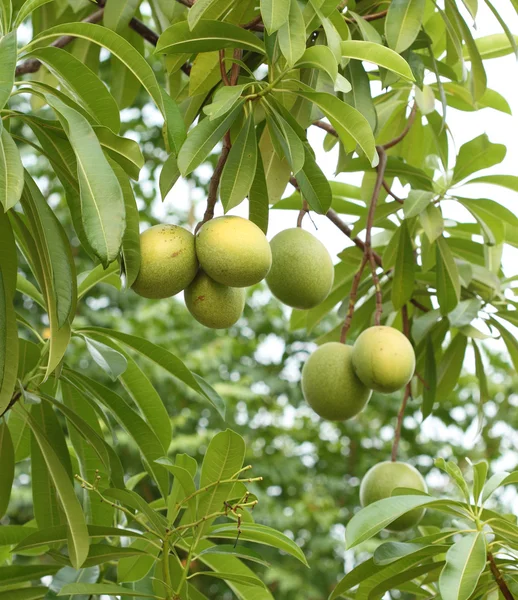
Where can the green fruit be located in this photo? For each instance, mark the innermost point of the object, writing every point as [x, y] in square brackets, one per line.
[213, 304]
[302, 271]
[168, 261]
[330, 385]
[380, 481]
[233, 251]
[383, 359]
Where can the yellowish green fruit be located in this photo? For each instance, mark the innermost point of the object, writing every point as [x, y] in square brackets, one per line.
[302, 271]
[383, 359]
[168, 261]
[233, 251]
[330, 385]
[379, 483]
[213, 304]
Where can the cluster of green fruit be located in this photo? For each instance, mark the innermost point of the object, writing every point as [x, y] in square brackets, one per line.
[227, 255]
[337, 382]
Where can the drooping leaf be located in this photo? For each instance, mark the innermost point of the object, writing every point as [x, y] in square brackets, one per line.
[292, 33]
[314, 185]
[451, 365]
[102, 202]
[447, 277]
[479, 153]
[379, 55]
[403, 23]
[274, 13]
[7, 66]
[465, 561]
[6, 466]
[111, 361]
[11, 171]
[404, 269]
[258, 205]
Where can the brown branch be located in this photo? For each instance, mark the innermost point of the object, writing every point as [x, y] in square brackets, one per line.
[326, 127]
[374, 16]
[420, 306]
[506, 592]
[401, 136]
[16, 396]
[187, 3]
[255, 24]
[302, 213]
[222, 68]
[386, 187]
[344, 228]
[352, 300]
[32, 65]
[234, 73]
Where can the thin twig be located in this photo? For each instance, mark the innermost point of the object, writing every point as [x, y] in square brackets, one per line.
[372, 17]
[187, 3]
[32, 65]
[234, 73]
[255, 24]
[302, 213]
[326, 127]
[332, 215]
[352, 300]
[506, 592]
[410, 122]
[420, 306]
[386, 187]
[222, 68]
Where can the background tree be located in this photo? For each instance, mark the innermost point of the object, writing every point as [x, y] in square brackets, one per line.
[438, 280]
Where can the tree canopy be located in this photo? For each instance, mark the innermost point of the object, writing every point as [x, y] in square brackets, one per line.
[144, 455]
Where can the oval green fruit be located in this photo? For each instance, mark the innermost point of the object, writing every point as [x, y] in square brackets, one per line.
[379, 483]
[212, 304]
[383, 359]
[302, 271]
[233, 251]
[330, 385]
[168, 261]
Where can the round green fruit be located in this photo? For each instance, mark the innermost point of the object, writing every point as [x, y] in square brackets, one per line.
[330, 385]
[383, 359]
[233, 251]
[302, 271]
[212, 304]
[379, 483]
[168, 261]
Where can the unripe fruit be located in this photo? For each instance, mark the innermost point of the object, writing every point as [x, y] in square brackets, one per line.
[302, 271]
[213, 304]
[383, 359]
[233, 251]
[380, 481]
[168, 261]
[330, 385]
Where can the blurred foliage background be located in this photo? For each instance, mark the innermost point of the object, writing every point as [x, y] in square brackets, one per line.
[311, 468]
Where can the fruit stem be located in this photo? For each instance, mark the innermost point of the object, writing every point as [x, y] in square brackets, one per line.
[352, 300]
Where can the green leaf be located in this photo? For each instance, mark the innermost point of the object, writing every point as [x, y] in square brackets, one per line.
[379, 55]
[447, 277]
[496, 481]
[26, 9]
[225, 98]
[432, 222]
[11, 171]
[82, 83]
[135, 568]
[206, 36]
[493, 46]
[8, 327]
[507, 181]
[465, 562]
[168, 361]
[492, 218]
[223, 459]
[89, 279]
[403, 23]
[188, 464]
[503, 25]
[404, 269]
[274, 13]
[184, 478]
[78, 540]
[34, 593]
[260, 534]
[117, 15]
[103, 553]
[90, 589]
[110, 361]
[451, 366]
[207, 9]
[6, 467]
[143, 435]
[258, 206]
[134, 501]
[416, 202]
[234, 577]
[480, 470]
[292, 33]
[123, 151]
[376, 516]
[319, 57]
[290, 143]
[102, 202]
[453, 470]
[8, 57]
[20, 573]
[277, 170]
[465, 312]
[509, 340]
[352, 127]
[202, 139]
[31, 538]
[169, 175]
[314, 185]
[239, 552]
[239, 171]
[479, 153]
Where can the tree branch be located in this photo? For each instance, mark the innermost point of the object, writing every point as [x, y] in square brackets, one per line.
[506, 592]
[32, 65]
[401, 136]
[386, 187]
[326, 127]
[255, 24]
[352, 300]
